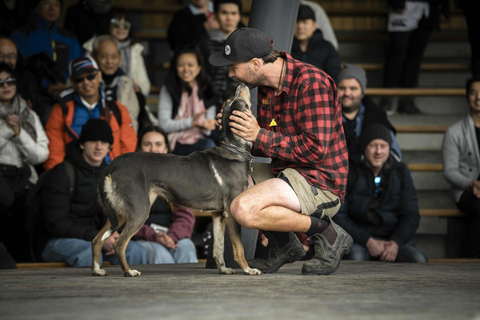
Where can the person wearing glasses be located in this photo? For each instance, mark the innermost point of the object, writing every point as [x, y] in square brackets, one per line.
[380, 210]
[23, 144]
[86, 100]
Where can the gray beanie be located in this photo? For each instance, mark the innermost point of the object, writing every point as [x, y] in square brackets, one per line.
[353, 71]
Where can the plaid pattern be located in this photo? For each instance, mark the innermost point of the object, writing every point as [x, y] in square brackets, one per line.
[309, 133]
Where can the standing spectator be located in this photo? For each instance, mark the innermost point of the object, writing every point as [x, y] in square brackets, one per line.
[43, 35]
[410, 24]
[79, 104]
[88, 18]
[186, 108]
[380, 210]
[471, 9]
[73, 218]
[26, 83]
[6, 199]
[310, 47]
[191, 23]
[228, 15]
[461, 166]
[132, 62]
[323, 23]
[23, 143]
[173, 245]
[116, 85]
[13, 14]
[359, 111]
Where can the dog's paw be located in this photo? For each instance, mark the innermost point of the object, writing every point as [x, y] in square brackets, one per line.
[251, 271]
[226, 270]
[132, 273]
[99, 272]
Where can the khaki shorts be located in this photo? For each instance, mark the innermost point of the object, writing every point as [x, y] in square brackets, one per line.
[314, 201]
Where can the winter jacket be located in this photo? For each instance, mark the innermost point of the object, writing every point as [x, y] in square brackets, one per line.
[60, 45]
[320, 53]
[394, 215]
[461, 157]
[186, 28]
[60, 133]
[72, 215]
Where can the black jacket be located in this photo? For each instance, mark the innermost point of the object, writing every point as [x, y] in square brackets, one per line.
[394, 215]
[186, 28]
[80, 215]
[320, 53]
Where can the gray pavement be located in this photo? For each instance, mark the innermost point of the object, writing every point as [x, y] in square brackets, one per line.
[358, 290]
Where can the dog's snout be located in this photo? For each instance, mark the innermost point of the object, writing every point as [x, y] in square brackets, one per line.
[245, 94]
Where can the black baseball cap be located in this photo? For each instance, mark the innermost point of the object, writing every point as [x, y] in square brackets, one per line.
[242, 45]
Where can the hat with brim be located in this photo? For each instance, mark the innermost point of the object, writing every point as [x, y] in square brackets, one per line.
[242, 45]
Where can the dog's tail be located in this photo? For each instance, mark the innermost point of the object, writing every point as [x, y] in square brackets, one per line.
[111, 202]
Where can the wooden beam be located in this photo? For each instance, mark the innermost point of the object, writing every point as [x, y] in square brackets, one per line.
[416, 91]
[421, 128]
[442, 213]
[436, 167]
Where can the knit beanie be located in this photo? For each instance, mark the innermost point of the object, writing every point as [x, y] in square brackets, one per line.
[353, 71]
[305, 13]
[375, 131]
[96, 130]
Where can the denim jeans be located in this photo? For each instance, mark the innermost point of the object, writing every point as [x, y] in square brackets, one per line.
[157, 253]
[78, 253]
[406, 253]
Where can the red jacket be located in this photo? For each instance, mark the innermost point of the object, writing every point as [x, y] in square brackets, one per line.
[60, 133]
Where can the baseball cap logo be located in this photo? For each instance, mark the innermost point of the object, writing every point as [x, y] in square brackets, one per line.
[228, 50]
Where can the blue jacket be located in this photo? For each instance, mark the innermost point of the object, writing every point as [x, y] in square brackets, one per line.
[394, 215]
[61, 45]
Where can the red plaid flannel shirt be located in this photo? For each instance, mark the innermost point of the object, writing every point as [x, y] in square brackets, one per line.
[309, 133]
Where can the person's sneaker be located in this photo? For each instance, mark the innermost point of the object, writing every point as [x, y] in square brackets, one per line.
[327, 255]
[277, 256]
[406, 105]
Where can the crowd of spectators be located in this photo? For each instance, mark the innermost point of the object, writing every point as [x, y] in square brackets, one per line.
[76, 97]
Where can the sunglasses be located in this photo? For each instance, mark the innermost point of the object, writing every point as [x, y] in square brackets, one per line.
[10, 81]
[117, 24]
[90, 77]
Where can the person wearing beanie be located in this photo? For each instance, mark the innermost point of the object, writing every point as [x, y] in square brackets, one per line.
[381, 209]
[358, 110]
[70, 211]
[85, 101]
[461, 167]
[309, 45]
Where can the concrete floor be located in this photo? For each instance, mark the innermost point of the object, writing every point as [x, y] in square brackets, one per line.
[358, 290]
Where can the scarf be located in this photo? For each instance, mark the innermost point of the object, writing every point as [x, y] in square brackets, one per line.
[189, 106]
[19, 107]
[126, 51]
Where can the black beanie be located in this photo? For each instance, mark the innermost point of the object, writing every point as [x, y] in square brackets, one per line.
[375, 131]
[305, 12]
[96, 130]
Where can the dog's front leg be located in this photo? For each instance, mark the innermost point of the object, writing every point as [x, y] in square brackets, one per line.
[219, 243]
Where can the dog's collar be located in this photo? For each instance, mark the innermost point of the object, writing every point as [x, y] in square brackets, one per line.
[243, 153]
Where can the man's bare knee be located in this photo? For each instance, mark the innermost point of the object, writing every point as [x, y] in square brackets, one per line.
[243, 213]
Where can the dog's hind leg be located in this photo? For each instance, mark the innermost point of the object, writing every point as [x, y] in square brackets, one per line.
[238, 250]
[97, 245]
[131, 228]
[219, 243]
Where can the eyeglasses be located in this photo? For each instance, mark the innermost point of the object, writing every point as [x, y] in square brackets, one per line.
[10, 56]
[117, 23]
[10, 81]
[90, 77]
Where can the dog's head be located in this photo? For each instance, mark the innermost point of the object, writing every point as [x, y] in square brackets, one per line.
[240, 102]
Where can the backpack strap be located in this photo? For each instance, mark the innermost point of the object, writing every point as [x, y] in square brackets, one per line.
[112, 106]
[71, 175]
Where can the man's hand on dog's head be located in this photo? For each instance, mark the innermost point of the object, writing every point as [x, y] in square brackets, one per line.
[245, 125]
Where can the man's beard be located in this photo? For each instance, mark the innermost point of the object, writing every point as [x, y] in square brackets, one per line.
[255, 82]
[349, 109]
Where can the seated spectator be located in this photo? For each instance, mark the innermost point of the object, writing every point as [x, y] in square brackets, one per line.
[310, 47]
[13, 13]
[359, 111]
[132, 62]
[73, 219]
[43, 35]
[461, 166]
[228, 15]
[116, 85]
[186, 108]
[380, 210]
[323, 23]
[88, 18]
[172, 244]
[23, 143]
[26, 83]
[79, 104]
[191, 23]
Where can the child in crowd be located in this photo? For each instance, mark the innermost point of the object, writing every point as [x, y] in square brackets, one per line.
[186, 108]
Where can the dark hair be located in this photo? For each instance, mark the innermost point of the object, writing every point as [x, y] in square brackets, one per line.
[152, 129]
[272, 56]
[6, 68]
[470, 82]
[119, 13]
[175, 85]
[217, 3]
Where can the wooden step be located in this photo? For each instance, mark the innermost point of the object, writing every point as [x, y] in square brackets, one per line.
[442, 213]
[421, 128]
[40, 265]
[424, 67]
[454, 260]
[437, 167]
[415, 91]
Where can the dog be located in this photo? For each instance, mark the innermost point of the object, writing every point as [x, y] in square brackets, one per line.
[206, 180]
